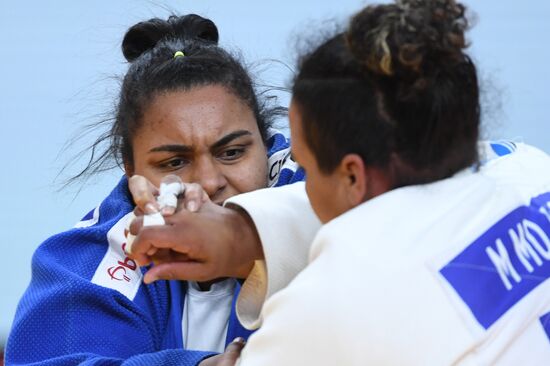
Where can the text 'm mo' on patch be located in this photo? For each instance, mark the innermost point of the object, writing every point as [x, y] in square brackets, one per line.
[505, 263]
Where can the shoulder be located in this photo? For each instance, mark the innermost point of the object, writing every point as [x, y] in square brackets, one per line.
[93, 250]
[503, 151]
[281, 168]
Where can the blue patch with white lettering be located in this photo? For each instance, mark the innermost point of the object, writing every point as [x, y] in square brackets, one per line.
[505, 263]
[545, 321]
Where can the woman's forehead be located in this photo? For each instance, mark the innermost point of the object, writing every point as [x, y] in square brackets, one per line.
[199, 115]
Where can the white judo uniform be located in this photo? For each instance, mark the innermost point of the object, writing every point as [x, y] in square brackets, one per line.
[453, 272]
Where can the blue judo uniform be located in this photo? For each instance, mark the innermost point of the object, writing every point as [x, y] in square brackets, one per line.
[86, 303]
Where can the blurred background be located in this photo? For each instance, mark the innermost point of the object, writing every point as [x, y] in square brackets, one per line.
[60, 59]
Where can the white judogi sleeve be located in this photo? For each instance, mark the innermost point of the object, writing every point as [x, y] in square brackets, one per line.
[286, 225]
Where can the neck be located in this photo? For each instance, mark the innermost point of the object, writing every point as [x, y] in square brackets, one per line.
[378, 182]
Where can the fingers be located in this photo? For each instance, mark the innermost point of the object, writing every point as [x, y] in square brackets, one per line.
[171, 187]
[194, 197]
[168, 210]
[151, 238]
[143, 193]
[233, 351]
[229, 357]
[189, 270]
[166, 255]
[152, 252]
[135, 225]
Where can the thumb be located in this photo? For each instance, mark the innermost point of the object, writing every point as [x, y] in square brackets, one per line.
[143, 193]
[234, 349]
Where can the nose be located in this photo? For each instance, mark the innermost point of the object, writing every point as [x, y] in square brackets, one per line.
[208, 174]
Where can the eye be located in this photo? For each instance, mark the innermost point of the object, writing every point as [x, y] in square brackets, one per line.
[231, 154]
[174, 164]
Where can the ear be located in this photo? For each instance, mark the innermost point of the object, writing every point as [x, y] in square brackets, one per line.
[353, 175]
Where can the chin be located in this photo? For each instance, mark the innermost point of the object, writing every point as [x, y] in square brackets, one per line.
[324, 217]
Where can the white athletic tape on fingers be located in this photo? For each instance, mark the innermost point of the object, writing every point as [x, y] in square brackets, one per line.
[153, 219]
[167, 200]
[169, 194]
[148, 220]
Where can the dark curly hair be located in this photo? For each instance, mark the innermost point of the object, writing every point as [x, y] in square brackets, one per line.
[396, 88]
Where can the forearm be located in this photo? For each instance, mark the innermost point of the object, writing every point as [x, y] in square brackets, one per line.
[248, 239]
[286, 226]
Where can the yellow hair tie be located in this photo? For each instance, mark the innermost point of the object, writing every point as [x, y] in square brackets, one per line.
[179, 54]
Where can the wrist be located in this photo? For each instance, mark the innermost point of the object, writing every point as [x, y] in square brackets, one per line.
[247, 246]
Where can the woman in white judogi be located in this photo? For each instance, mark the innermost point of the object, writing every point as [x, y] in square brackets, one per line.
[435, 249]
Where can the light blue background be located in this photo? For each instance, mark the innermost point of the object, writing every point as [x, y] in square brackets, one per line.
[57, 59]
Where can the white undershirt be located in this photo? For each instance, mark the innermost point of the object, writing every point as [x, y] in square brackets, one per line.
[206, 316]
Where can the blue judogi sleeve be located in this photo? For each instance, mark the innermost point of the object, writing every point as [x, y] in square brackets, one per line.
[70, 315]
[86, 303]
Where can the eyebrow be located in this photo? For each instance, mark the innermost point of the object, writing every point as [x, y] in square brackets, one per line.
[230, 137]
[182, 149]
[172, 148]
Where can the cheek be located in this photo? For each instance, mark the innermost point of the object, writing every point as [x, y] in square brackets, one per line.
[151, 174]
[322, 198]
[141, 167]
[250, 174]
[314, 196]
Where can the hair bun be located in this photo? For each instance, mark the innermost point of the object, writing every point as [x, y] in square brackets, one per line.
[144, 36]
[409, 36]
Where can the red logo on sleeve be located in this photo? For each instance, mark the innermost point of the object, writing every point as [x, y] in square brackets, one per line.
[119, 271]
